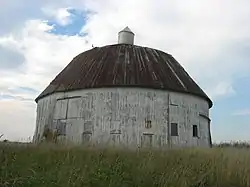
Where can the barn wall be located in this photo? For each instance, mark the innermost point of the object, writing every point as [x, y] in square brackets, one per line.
[124, 116]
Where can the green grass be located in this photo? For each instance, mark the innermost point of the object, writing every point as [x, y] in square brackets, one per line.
[47, 166]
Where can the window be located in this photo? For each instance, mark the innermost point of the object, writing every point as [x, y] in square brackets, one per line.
[86, 137]
[195, 131]
[174, 129]
[148, 124]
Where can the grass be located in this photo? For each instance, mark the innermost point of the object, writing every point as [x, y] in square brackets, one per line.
[47, 166]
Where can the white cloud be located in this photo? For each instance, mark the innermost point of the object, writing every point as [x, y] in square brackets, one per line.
[202, 38]
[205, 37]
[10, 58]
[46, 54]
[14, 14]
[61, 15]
[17, 120]
[244, 112]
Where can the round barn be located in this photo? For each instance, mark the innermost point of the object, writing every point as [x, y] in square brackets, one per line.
[125, 95]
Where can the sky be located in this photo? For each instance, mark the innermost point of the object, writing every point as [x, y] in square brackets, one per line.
[209, 38]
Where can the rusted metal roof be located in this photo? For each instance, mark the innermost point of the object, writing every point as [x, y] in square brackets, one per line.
[123, 65]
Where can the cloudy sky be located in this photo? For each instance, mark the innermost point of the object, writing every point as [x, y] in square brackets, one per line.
[210, 38]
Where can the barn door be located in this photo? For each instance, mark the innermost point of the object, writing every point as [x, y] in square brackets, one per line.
[147, 140]
[61, 109]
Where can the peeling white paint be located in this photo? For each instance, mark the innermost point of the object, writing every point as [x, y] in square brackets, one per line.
[117, 116]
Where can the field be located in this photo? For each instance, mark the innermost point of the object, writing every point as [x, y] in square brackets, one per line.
[47, 166]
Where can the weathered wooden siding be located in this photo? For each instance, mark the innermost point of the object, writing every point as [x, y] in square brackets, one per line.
[125, 116]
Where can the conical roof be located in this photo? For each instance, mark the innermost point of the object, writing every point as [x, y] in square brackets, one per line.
[123, 65]
[126, 29]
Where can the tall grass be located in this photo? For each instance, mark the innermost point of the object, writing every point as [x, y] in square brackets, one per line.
[47, 166]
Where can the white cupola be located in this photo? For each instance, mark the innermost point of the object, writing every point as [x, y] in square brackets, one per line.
[126, 36]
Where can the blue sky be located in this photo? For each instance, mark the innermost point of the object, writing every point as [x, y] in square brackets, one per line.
[43, 36]
[77, 21]
[225, 120]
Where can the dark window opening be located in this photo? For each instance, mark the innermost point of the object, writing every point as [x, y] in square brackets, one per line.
[148, 124]
[195, 131]
[174, 129]
[86, 137]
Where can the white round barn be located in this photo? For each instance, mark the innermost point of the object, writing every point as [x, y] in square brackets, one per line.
[125, 95]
